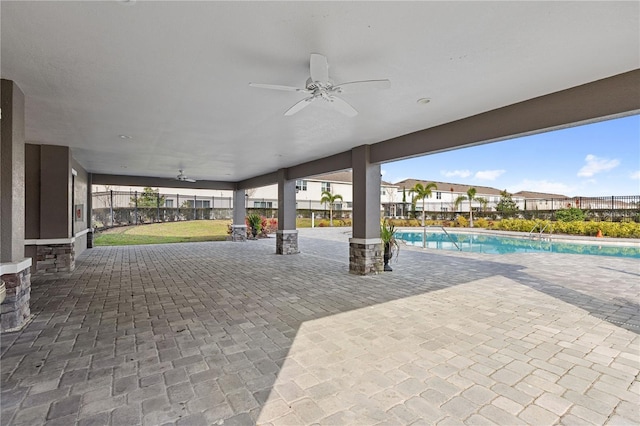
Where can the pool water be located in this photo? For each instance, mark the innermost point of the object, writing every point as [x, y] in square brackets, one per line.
[492, 244]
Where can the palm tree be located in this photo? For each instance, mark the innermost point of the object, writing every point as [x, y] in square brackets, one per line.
[471, 195]
[421, 192]
[329, 198]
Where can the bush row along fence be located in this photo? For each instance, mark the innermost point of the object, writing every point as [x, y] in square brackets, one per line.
[116, 208]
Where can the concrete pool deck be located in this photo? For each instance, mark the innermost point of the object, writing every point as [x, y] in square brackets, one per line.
[230, 334]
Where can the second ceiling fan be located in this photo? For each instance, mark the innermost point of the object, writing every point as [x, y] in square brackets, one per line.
[320, 86]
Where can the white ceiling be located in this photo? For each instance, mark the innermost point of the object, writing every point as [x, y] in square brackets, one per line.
[174, 75]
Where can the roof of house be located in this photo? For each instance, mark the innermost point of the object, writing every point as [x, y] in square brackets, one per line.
[533, 194]
[344, 176]
[447, 186]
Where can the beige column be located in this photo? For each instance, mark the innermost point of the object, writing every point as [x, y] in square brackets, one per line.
[365, 247]
[15, 269]
[287, 234]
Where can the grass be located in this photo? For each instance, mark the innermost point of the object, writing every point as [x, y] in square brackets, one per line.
[163, 233]
[173, 232]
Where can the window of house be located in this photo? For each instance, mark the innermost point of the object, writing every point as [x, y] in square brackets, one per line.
[337, 206]
[200, 204]
[349, 204]
[383, 191]
[301, 185]
[438, 195]
[262, 204]
[168, 203]
[326, 186]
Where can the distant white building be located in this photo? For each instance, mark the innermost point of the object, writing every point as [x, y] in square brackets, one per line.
[444, 197]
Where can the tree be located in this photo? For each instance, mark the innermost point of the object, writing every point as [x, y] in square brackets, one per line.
[421, 192]
[506, 206]
[404, 202]
[330, 199]
[471, 196]
[149, 198]
[483, 203]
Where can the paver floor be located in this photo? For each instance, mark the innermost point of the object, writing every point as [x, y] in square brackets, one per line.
[231, 334]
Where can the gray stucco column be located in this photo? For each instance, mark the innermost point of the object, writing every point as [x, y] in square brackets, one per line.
[239, 227]
[287, 234]
[365, 247]
[15, 269]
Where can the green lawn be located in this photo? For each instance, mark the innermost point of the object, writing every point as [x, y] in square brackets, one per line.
[170, 232]
[162, 233]
[174, 232]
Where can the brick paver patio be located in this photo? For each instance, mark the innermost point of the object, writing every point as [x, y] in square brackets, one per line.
[231, 334]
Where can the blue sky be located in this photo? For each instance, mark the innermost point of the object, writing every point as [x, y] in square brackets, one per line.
[591, 160]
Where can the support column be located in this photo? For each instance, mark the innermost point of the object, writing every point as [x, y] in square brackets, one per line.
[365, 248]
[239, 227]
[15, 269]
[287, 234]
[90, 210]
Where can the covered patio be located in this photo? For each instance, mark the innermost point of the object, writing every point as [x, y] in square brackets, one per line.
[135, 93]
[230, 333]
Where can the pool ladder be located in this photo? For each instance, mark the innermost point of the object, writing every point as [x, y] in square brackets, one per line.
[537, 225]
[424, 237]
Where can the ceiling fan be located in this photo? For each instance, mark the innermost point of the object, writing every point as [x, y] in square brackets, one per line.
[183, 178]
[320, 86]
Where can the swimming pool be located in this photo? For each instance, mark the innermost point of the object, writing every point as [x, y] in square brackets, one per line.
[493, 244]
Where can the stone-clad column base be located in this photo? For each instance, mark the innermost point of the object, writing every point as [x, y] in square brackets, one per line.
[287, 242]
[56, 258]
[238, 232]
[365, 256]
[15, 311]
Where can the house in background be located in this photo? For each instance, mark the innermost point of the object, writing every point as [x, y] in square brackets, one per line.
[444, 197]
[542, 200]
[309, 193]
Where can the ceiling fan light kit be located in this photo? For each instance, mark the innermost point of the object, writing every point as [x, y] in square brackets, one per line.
[320, 87]
[183, 178]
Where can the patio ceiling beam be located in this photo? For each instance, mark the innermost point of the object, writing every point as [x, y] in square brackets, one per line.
[123, 180]
[611, 97]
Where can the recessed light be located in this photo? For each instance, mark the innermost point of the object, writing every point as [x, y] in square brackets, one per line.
[124, 136]
[424, 101]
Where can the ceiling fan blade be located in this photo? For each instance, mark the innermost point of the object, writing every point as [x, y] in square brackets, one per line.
[298, 106]
[278, 87]
[319, 68]
[362, 86]
[342, 106]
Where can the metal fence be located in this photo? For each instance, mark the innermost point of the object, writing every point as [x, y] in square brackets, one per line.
[613, 208]
[117, 208]
[120, 208]
[609, 208]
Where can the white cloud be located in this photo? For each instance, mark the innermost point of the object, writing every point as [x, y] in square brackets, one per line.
[489, 174]
[543, 186]
[635, 175]
[596, 165]
[458, 173]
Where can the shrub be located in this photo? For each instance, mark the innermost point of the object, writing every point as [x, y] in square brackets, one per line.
[481, 223]
[461, 221]
[569, 215]
[609, 229]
